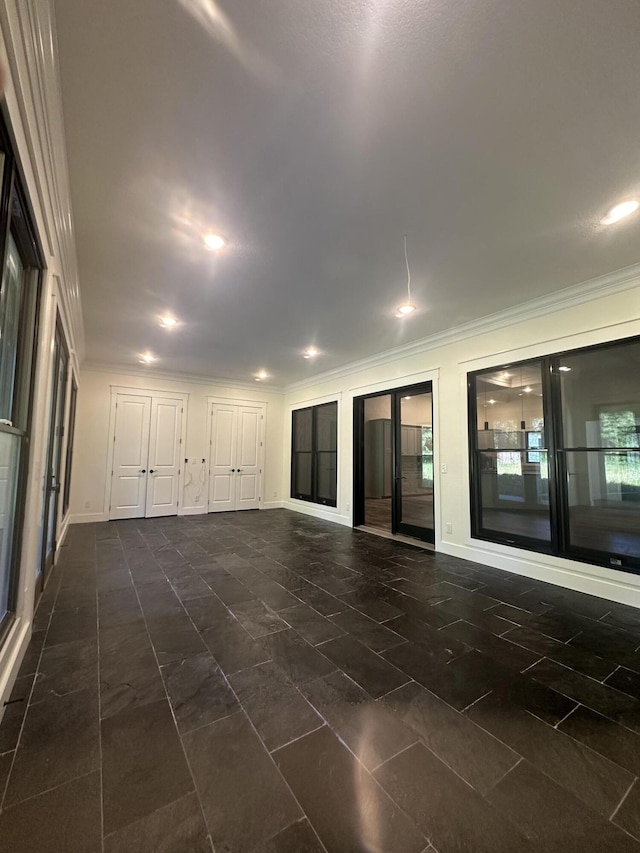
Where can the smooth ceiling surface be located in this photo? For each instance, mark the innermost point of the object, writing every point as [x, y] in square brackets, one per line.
[314, 134]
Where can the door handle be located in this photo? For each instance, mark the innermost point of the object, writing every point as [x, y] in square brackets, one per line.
[151, 471]
[239, 470]
[233, 470]
[144, 471]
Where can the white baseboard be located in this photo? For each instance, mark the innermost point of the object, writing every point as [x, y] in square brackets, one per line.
[88, 517]
[613, 585]
[192, 510]
[326, 514]
[272, 505]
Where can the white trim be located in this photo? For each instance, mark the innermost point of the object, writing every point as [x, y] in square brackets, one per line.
[582, 577]
[273, 505]
[223, 401]
[149, 392]
[150, 373]
[317, 511]
[88, 518]
[569, 297]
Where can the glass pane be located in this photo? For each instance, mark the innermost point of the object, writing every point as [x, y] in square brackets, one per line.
[9, 458]
[10, 300]
[327, 475]
[327, 427]
[604, 501]
[509, 405]
[514, 494]
[601, 397]
[303, 430]
[416, 461]
[302, 474]
[70, 435]
[378, 480]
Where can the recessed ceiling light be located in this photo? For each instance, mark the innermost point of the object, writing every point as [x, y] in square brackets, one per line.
[564, 368]
[406, 398]
[625, 208]
[147, 358]
[527, 390]
[311, 352]
[404, 310]
[213, 242]
[261, 375]
[492, 401]
[168, 322]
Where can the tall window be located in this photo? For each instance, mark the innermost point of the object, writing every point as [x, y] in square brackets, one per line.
[314, 453]
[19, 290]
[555, 454]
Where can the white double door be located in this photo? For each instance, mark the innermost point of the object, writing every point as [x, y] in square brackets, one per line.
[235, 472]
[147, 439]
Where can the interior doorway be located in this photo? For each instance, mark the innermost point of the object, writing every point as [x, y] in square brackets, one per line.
[393, 462]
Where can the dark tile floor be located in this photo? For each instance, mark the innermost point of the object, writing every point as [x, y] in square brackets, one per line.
[271, 683]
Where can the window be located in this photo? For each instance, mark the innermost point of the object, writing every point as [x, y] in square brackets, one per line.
[19, 292]
[555, 454]
[314, 454]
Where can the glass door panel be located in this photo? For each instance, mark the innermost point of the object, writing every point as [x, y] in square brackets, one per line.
[9, 460]
[415, 465]
[378, 462]
[54, 457]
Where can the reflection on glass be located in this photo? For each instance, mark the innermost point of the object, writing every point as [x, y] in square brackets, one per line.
[9, 455]
[10, 299]
[604, 500]
[513, 465]
[378, 479]
[416, 461]
[514, 494]
[601, 431]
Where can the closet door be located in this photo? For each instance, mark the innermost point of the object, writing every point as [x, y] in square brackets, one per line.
[163, 475]
[235, 456]
[223, 444]
[248, 458]
[130, 456]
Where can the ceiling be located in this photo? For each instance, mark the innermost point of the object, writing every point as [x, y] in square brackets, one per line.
[494, 134]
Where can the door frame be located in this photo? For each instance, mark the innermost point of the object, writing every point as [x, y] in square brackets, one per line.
[232, 401]
[141, 392]
[58, 335]
[396, 392]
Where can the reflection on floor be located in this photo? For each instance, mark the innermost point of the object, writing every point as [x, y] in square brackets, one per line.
[268, 682]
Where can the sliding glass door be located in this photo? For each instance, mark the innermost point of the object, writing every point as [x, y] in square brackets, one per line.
[54, 451]
[393, 462]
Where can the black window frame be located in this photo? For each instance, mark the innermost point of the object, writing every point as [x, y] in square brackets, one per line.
[312, 496]
[71, 429]
[559, 544]
[17, 217]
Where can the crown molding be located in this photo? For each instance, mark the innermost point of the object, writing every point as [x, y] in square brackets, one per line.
[151, 373]
[569, 297]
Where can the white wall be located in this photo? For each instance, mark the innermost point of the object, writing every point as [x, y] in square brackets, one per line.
[541, 328]
[89, 485]
[33, 106]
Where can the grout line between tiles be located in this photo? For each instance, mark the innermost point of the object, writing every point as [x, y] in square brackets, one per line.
[617, 808]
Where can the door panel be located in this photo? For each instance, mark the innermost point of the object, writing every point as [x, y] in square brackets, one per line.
[235, 476]
[130, 457]
[415, 466]
[164, 457]
[248, 458]
[222, 480]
